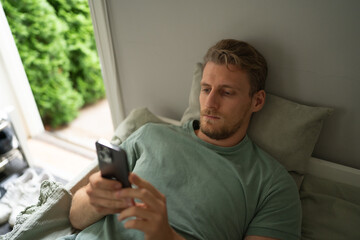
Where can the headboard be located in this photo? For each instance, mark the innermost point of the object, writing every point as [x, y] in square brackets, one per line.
[148, 50]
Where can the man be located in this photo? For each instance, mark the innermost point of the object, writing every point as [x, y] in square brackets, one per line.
[204, 180]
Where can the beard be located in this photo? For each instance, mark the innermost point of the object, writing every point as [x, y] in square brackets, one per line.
[218, 129]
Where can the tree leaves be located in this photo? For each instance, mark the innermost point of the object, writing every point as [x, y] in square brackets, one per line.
[57, 47]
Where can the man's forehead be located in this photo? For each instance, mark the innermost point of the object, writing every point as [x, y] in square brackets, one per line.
[224, 79]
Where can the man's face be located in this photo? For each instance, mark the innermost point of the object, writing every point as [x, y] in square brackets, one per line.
[225, 103]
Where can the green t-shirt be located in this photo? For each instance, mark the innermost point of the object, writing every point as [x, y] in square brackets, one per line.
[211, 192]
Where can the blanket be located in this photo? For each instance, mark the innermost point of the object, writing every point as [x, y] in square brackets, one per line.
[43, 220]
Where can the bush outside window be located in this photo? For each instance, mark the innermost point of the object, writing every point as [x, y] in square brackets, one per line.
[56, 44]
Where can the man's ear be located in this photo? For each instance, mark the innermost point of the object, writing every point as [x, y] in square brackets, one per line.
[258, 100]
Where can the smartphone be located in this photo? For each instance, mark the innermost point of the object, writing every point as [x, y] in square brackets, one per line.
[113, 162]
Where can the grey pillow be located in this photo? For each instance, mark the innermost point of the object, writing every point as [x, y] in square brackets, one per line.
[286, 130]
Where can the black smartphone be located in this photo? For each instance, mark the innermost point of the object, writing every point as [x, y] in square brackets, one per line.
[113, 162]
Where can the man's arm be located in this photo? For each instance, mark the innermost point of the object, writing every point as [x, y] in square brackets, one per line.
[103, 196]
[97, 199]
[279, 212]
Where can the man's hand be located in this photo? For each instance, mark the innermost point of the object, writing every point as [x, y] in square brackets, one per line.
[97, 199]
[150, 215]
[104, 195]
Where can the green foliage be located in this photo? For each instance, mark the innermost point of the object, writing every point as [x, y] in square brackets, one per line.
[56, 45]
[84, 71]
[43, 50]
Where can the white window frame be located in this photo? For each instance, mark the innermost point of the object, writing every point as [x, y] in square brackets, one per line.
[14, 81]
[104, 44]
[20, 94]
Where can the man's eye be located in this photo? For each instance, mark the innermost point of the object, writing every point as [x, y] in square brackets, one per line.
[227, 93]
[205, 90]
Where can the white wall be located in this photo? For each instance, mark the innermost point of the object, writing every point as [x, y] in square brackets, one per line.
[311, 47]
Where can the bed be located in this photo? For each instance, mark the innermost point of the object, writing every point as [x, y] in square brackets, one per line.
[329, 192]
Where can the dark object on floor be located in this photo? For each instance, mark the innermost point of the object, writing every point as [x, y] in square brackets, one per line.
[2, 191]
[6, 136]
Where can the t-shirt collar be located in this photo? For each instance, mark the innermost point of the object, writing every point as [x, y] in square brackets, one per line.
[195, 125]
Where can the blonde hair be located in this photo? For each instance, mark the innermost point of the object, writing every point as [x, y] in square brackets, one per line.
[242, 55]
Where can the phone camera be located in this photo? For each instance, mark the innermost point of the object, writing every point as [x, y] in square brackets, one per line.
[105, 155]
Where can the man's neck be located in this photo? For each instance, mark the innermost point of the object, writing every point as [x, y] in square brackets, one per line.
[227, 142]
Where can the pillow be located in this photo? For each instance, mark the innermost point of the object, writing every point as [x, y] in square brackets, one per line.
[193, 110]
[132, 122]
[286, 130]
[331, 210]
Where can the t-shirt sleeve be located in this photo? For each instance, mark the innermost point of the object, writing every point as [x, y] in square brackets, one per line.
[279, 211]
[132, 148]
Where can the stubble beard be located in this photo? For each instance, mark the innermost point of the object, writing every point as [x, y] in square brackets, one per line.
[224, 131]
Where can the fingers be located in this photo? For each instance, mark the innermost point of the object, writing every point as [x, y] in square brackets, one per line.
[138, 224]
[141, 221]
[100, 193]
[107, 196]
[138, 211]
[142, 184]
[144, 219]
[145, 192]
[97, 181]
[103, 200]
[100, 187]
[104, 195]
[150, 216]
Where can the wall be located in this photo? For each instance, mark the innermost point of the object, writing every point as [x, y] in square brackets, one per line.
[311, 47]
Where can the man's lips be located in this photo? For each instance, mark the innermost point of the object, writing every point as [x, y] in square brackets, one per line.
[210, 115]
[213, 117]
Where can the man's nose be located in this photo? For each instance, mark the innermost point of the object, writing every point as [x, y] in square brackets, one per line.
[212, 100]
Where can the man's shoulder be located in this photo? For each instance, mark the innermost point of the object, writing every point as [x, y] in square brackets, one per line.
[264, 156]
[269, 162]
[159, 128]
[169, 126]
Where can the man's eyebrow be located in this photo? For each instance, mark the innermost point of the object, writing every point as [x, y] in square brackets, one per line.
[229, 86]
[202, 84]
